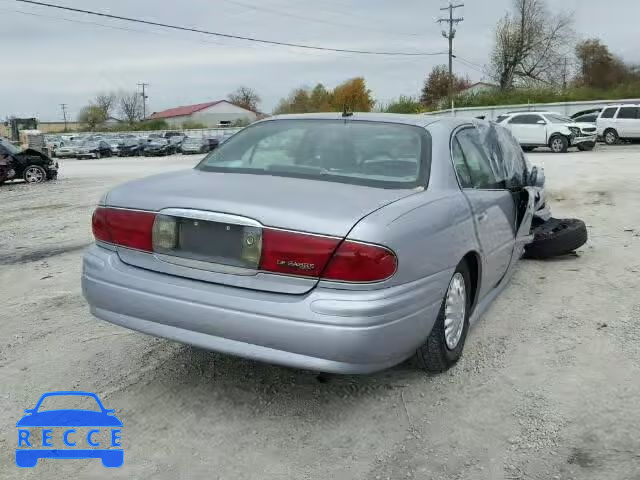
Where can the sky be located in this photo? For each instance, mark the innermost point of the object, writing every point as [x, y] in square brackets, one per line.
[53, 57]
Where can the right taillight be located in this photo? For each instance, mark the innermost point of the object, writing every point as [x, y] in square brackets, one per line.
[360, 262]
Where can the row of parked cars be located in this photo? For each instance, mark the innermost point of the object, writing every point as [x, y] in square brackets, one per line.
[129, 145]
[611, 125]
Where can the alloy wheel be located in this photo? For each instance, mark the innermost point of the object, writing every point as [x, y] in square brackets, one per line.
[455, 309]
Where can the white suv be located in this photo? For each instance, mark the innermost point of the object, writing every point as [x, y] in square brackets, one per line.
[619, 122]
[549, 129]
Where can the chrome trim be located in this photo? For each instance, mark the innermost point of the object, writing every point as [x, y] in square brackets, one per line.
[210, 216]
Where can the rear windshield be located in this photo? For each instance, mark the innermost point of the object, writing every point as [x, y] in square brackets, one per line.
[386, 155]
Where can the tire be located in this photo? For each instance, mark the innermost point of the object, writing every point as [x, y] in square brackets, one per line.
[611, 136]
[556, 237]
[559, 144]
[586, 147]
[34, 174]
[437, 355]
[527, 149]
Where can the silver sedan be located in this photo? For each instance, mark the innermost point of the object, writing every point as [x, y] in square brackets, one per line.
[336, 243]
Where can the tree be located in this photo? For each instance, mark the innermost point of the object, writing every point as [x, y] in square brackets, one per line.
[436, 86]
[92, 116]
[529, 45]
[130, 106]
[320, 99]
[245, 97]
[106, 102]
[298, 101]
[598, 67]
[352, 95]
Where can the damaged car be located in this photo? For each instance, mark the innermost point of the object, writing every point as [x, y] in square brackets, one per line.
[336, 243]
[30, 165]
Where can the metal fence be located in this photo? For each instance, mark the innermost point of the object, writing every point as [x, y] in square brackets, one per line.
[565, 108]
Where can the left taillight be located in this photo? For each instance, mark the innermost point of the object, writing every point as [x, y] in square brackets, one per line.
[127, 228]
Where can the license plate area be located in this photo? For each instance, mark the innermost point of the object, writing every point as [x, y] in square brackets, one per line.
[206, 240]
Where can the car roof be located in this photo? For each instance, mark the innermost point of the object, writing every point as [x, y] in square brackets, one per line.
[420, 120]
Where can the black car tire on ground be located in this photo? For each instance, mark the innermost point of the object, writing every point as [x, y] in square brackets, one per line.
[556, 237]
[434, 356]
[586, 147]
[34, 174]
[611, 136]
[559, 144]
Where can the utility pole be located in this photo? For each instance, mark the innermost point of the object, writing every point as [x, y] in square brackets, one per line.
[450, 35]
[564, 76]
[144, 99]
[64, 114]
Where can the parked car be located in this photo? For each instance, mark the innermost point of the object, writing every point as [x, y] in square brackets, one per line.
[29, 164]
[158, 147]
[168, 135]
[68, 150]
[213, 143]
[195, 145]
[114, 145]
[176, 141]
[619, 122]
[94, 149]
[53, 142]
[131, 147]
[362, 241]
[549, 129]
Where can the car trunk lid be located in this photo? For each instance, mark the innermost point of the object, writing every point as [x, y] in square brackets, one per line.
[217, 221]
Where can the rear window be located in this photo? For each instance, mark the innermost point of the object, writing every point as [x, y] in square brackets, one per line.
[385, 155]
[628, 112]
[608, 112]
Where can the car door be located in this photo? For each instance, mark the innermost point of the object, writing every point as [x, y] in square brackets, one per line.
[529, 129]
[491, 204]
[628, 122]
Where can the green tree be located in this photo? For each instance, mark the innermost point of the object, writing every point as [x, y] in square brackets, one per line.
[353, 95]
[436, 86]
[404, 104]
[320, 99]
[92, 116]
[298, 101]
[598, 67]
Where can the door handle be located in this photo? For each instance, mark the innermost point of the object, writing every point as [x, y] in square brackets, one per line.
[482, 217]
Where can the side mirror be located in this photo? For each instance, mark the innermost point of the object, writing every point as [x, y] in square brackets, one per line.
[536, 177]
[541, 122]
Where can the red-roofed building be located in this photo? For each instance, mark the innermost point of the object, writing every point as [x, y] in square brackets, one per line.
[211, 114]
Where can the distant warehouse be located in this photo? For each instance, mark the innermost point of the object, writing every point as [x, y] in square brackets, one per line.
[211, 114]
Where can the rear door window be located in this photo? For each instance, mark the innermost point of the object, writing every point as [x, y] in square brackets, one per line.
[477, 161]
[609, 112]
[628, 113]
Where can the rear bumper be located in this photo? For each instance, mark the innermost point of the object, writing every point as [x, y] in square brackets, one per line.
[328, 330]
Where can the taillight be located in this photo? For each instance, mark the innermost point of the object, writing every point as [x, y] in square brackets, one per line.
[307, 255]
[295, 253]
[360, 262]
[127, 228]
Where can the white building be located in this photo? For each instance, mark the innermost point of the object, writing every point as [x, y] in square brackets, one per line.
[478, 87]
[211, 114]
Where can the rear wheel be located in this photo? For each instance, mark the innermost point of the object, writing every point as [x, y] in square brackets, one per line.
[611, 137]
[443, 347]
[559, 144]
[34, 174]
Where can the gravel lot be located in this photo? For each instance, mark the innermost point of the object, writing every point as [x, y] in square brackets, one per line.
[548, 386]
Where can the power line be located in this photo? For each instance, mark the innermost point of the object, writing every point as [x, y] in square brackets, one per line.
[472, 66]
[274, 11]
[226, 35]
[450, 35]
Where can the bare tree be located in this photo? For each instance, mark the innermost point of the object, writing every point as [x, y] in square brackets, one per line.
[130, 106]
[245, 97]
[531, 45]
[105, 101]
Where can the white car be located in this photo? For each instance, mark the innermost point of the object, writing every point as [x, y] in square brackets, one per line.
[619, 122]
[549, 129]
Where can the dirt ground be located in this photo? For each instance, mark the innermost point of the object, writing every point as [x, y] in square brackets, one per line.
[548, 387]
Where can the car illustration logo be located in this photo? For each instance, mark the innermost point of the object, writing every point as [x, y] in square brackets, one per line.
[40, 428]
